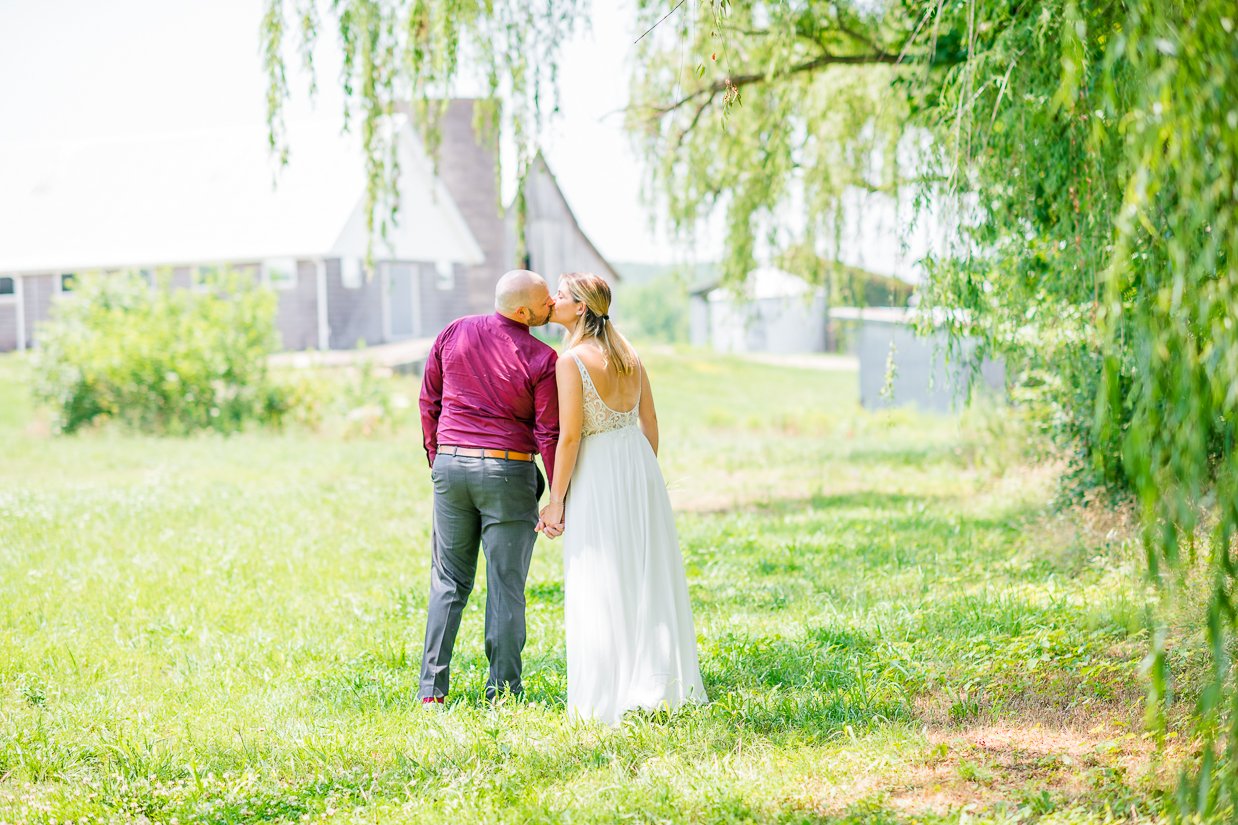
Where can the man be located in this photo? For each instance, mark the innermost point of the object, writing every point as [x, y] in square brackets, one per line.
[488, 403]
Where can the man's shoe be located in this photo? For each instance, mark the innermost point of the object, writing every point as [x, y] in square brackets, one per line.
[432, 700]
[498, 698]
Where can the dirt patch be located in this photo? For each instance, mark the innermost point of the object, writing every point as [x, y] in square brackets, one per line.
[977, 768]
[982, 766]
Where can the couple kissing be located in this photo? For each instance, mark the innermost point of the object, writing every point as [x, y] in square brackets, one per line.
[493, 397]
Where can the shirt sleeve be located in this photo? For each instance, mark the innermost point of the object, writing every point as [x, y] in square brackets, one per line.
[432, 398]
[546, 416]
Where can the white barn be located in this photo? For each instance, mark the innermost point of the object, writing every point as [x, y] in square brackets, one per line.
[899, 368]
[773, 312]
[190, 202]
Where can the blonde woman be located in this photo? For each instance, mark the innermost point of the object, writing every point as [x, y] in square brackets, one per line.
[630, 638]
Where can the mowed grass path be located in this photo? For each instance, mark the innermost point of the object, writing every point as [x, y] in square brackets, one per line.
[890, 628]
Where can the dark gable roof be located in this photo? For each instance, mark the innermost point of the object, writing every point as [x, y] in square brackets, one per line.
[467, 165]
[540, 164]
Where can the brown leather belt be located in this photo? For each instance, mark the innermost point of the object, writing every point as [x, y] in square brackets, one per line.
[478, 452]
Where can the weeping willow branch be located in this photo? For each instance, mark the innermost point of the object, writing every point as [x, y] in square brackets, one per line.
[405, 55]
[727, 84]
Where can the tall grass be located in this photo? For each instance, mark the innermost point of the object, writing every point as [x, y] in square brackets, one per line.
[228, 629]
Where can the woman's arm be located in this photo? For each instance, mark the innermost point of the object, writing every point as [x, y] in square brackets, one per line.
[571, 417]
[648, 414]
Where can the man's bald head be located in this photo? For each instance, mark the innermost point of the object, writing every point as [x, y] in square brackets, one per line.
[515, 289]
[523, 296]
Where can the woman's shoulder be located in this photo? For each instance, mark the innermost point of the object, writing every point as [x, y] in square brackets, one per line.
[568, 359]
[589, 355]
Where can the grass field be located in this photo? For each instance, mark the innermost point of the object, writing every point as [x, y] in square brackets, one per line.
[892, 628]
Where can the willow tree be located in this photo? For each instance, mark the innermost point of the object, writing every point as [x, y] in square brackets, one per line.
[406, 56]
[1093, 145]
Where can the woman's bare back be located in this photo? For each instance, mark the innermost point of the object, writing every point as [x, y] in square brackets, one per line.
[619, 392]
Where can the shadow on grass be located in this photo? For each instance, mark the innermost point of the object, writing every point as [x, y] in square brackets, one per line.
[852, 500]
[945, 452]
[837, 554]
[802, 689]
[867, 511]
[807, 689]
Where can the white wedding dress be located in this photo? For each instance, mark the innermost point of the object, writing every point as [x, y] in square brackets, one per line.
[630, 638]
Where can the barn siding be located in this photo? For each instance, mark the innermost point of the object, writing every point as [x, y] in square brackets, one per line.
[37, 294]
[555, 242]
[296, 316]
[354, 315]
[923, 377]
[8, 324]
[439, 307]
[182, 277]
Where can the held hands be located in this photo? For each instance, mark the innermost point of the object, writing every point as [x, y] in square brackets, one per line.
[551, 521]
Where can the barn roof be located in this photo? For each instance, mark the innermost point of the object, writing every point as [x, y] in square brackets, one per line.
[542, 186]
[765, 282]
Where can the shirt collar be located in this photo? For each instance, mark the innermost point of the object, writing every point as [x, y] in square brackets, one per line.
[503, 319]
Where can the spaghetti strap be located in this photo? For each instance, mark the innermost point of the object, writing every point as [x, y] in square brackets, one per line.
[584, 371]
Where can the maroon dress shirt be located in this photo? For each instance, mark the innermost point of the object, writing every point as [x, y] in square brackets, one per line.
[489, 383]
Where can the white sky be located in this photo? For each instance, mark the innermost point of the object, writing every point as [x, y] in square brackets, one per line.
[83, 68]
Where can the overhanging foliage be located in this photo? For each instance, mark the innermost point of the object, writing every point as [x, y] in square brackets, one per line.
[1096, 143]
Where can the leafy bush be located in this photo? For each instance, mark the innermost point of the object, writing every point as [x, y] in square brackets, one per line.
[161, 360]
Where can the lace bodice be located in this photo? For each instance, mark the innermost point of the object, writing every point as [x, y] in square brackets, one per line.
[600, 418]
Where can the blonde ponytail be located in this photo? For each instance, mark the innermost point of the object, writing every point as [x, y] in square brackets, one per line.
[595, 293]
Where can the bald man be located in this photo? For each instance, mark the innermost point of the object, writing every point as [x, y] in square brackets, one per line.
[488, 405]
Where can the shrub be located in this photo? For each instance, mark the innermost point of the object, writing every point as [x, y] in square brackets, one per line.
[161, 360]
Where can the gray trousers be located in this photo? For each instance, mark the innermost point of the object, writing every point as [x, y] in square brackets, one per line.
[492, 501]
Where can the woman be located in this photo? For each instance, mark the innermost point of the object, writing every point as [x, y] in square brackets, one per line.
[630, 638]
